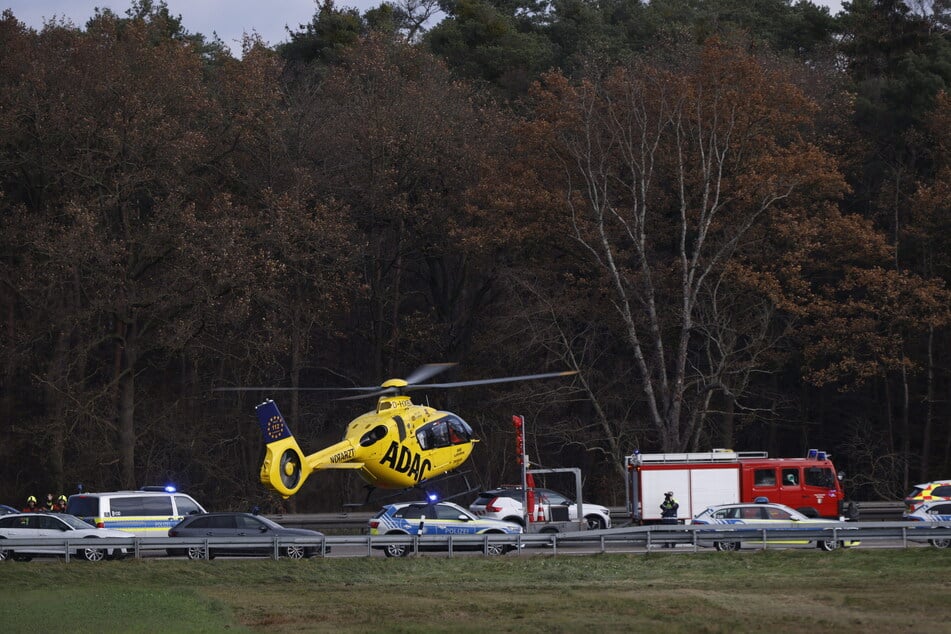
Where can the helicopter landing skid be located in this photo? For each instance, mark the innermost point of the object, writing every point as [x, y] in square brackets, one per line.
[430, 487]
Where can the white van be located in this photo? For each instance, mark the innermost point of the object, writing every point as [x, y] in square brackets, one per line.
[143, 513]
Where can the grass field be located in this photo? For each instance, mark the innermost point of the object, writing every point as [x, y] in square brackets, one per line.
[771, 591]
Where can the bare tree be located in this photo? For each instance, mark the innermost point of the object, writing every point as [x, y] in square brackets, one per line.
[668, 173]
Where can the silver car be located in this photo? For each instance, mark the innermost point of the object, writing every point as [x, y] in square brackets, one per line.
[55, 527]
[726, 517]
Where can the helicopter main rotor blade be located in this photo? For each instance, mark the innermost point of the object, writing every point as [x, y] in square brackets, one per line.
[412, 383]
[378, 392]
[296, 389]
[508, 379]
[423, 372]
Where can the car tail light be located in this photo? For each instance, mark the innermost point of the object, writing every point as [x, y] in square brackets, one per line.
[492, 508]
[100, 524]
[173, 533]
[374, 523]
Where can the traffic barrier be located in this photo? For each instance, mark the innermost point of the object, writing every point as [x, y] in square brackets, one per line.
[644, 537]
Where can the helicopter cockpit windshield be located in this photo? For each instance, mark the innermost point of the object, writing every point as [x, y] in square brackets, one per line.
[444, 432]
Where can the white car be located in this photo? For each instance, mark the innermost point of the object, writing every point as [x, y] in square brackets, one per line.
[725, 517]
[933, 511]
[505, 504]
[56, 527]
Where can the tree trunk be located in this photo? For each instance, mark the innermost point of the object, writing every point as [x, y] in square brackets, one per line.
[127, 409]
[905, 430]
[56, 430]
[929, 412]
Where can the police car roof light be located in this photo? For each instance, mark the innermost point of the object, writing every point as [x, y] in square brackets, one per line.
[168, 488]
[433, 497]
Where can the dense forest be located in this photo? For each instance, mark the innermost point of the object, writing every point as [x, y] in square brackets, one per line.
[731, 217]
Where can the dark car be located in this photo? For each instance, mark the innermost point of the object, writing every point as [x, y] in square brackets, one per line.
[242, 525]
[7, 510]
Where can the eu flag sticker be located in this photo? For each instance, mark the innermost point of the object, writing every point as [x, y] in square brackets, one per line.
[273, 427]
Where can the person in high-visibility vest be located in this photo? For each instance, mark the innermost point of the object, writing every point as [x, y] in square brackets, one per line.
[668, 512]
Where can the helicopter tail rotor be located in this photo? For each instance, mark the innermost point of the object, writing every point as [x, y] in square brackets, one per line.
[283, 468]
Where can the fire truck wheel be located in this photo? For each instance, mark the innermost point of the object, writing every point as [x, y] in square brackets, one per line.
[727, 546]
[828, 545]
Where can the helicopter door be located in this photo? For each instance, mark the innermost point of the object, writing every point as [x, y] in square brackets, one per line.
[433, 435]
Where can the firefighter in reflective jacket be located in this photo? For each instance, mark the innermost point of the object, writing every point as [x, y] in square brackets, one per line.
[31, 506]
[59, 506]
[668, 512]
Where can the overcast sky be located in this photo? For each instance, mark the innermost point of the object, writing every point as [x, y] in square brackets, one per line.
[228, 18]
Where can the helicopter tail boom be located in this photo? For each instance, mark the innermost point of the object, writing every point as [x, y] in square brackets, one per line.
[285, 466]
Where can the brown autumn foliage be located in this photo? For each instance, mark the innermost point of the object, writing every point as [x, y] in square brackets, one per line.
[174, 222]
[691, 201]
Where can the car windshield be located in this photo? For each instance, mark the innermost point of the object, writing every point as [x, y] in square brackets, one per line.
[75, 523]
[270, 523]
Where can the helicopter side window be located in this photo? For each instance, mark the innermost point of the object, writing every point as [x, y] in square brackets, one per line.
[373, 436]
[425, 438]
[433, 435]
[440, 434]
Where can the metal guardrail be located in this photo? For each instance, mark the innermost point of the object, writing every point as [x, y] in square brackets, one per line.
[879, 511]
[648, 537]
[867, 512]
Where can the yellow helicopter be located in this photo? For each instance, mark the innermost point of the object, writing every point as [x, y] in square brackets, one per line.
[398, 445]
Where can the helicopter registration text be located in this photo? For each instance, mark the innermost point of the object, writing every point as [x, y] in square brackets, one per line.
[342, 456]
[405, 461]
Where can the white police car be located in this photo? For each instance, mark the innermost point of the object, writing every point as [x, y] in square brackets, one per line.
[724, 517]
[437, 518]
[933, 511]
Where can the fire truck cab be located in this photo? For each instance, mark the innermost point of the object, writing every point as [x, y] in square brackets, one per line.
[699, 480]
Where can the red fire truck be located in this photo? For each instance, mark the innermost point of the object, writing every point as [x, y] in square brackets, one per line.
[698, 480]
